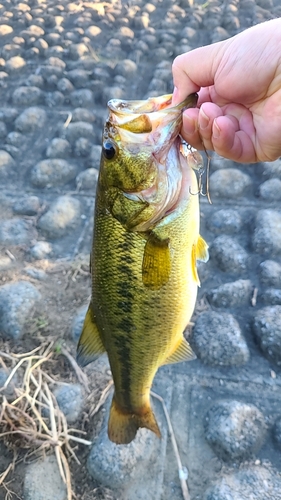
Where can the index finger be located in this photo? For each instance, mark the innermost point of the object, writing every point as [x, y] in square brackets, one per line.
[195, 69]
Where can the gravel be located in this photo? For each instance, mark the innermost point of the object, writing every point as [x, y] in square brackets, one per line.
[78, 129]
[234, 430]
[7, 163]
[43, 481]
[27, 96]
[229, 255]
[95, 157]
[17, 301]
[217, 340]
[267, 329]
[62, 217]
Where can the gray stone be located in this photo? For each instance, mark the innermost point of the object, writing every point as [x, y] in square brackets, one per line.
[17, 301]
[270, 273]
[82, 147]
[83, 115]
[271, 297]
[79, 129]
[15, 139]
[110, 464]
[9, 391]
[54, 99]
[277, 433]
[77, 50]
[8, 115]
[53, 172]
[16, 232]
[58, 148]
[272, 169]
[37, 274]
[234, 430]
[227, 221]
[77, 323]
[43, 481]
[217, 339]
[126, 68]
[82, 98]
[270, 190]
[11, 50]
[267, 234]
[79, 77]
[229, 183]
[15, 64]
[3, 130]
[93, 31]
[65, 86]
[249, 483]
[27, 206]
[30, 120]
[70, 400]
[267, 329]
[87, 180]
[95, 156]
[61, 218]
[114, 92]
[27, 96]
[7, 163]
[234, 294]
[229, 255]
[41, 250]
[5, 30]
[5, 263]
[219, 34]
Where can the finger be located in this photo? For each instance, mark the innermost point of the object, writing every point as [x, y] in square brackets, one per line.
[189, 129]
[231, 143]
[206, 116]
[195, 69]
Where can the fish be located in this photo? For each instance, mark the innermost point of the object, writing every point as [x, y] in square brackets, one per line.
[143, 262]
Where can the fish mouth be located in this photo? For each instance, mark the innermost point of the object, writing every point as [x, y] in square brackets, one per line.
[156, 124]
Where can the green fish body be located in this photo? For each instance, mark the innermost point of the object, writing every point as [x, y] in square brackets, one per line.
[143, 262]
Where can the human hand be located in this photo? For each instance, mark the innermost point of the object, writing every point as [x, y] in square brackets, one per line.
[239, 86]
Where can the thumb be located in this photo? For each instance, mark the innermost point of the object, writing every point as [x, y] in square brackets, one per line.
[196, 69]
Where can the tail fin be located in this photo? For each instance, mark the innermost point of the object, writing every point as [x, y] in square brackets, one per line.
[122, 427]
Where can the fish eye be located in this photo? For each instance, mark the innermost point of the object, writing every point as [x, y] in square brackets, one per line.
[109, 150]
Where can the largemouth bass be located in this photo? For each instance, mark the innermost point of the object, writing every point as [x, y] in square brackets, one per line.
[143, 262]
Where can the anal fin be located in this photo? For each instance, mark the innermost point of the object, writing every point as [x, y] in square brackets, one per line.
[182, 353]
[156, 264]
[90, 345]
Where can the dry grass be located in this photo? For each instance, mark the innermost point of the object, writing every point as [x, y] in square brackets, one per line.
[33, 420]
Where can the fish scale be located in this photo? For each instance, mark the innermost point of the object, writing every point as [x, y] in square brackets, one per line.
[144, 286]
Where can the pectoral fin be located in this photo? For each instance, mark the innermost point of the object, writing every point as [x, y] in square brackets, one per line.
[202, 252]
[156, 264]
[90, 345]
[193, 264]
[182, 353]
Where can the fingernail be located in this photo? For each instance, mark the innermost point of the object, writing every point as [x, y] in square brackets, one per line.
[188, 125]
[216, 130]
[204, 120]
